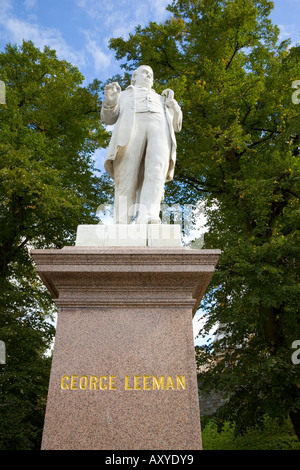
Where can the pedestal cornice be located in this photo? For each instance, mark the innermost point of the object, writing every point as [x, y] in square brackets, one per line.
[117, 276]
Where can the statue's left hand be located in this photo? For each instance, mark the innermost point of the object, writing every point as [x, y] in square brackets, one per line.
[169, 99]
[171, 103]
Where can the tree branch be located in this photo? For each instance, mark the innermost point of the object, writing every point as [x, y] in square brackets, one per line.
[236, 48]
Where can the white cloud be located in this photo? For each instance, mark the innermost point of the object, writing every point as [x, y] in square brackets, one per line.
[15, 30]
[199, 322]
[98, 8]
[117, 30]
[284, 31]
[102, 60]
[158, 8]
[289, 32]
[81, 3]
[5, 6]
[29, 4]
[120, 17]
[116, 18]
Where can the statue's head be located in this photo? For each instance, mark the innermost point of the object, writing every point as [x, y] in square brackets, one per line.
[143, 76]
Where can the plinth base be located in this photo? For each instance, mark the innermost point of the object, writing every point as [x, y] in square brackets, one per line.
[129, 235]
[123, 373]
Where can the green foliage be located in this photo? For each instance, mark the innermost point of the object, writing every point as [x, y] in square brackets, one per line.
[50, 127]
[239, 152]
[273, 437]
[24, 379]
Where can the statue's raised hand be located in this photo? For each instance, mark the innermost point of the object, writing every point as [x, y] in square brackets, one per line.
[112, 93]
[169, 98]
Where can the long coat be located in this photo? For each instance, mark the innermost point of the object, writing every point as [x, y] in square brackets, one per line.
[123, 116]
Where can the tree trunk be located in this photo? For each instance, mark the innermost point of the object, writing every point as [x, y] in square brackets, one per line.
[295, 418]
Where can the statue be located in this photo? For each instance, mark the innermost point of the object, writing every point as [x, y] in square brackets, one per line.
[142, 151]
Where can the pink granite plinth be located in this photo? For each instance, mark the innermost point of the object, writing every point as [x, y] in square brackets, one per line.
[123, 373]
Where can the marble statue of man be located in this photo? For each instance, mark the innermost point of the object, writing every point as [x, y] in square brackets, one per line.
[142, 151]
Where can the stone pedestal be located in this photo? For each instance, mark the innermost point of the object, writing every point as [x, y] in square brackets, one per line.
[123, 373]
[155, 235]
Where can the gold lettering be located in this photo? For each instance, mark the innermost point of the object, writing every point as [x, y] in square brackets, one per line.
[170, 383]
[146, 382]
[180, 381]
[63, 385]
[74, 385]
[112, 385]
[93, 382]
[158, 383]
[137, 386]
[83, 383]
[101, 386]
[140, 382]
[127, 387]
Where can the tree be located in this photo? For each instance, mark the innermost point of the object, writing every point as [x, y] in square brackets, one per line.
[24, 377]
[49, 127]
[238, 152]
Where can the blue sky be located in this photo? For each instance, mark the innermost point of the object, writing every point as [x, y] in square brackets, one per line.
[79, 30]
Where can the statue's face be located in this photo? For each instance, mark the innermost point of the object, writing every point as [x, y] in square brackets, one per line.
[144, 77]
